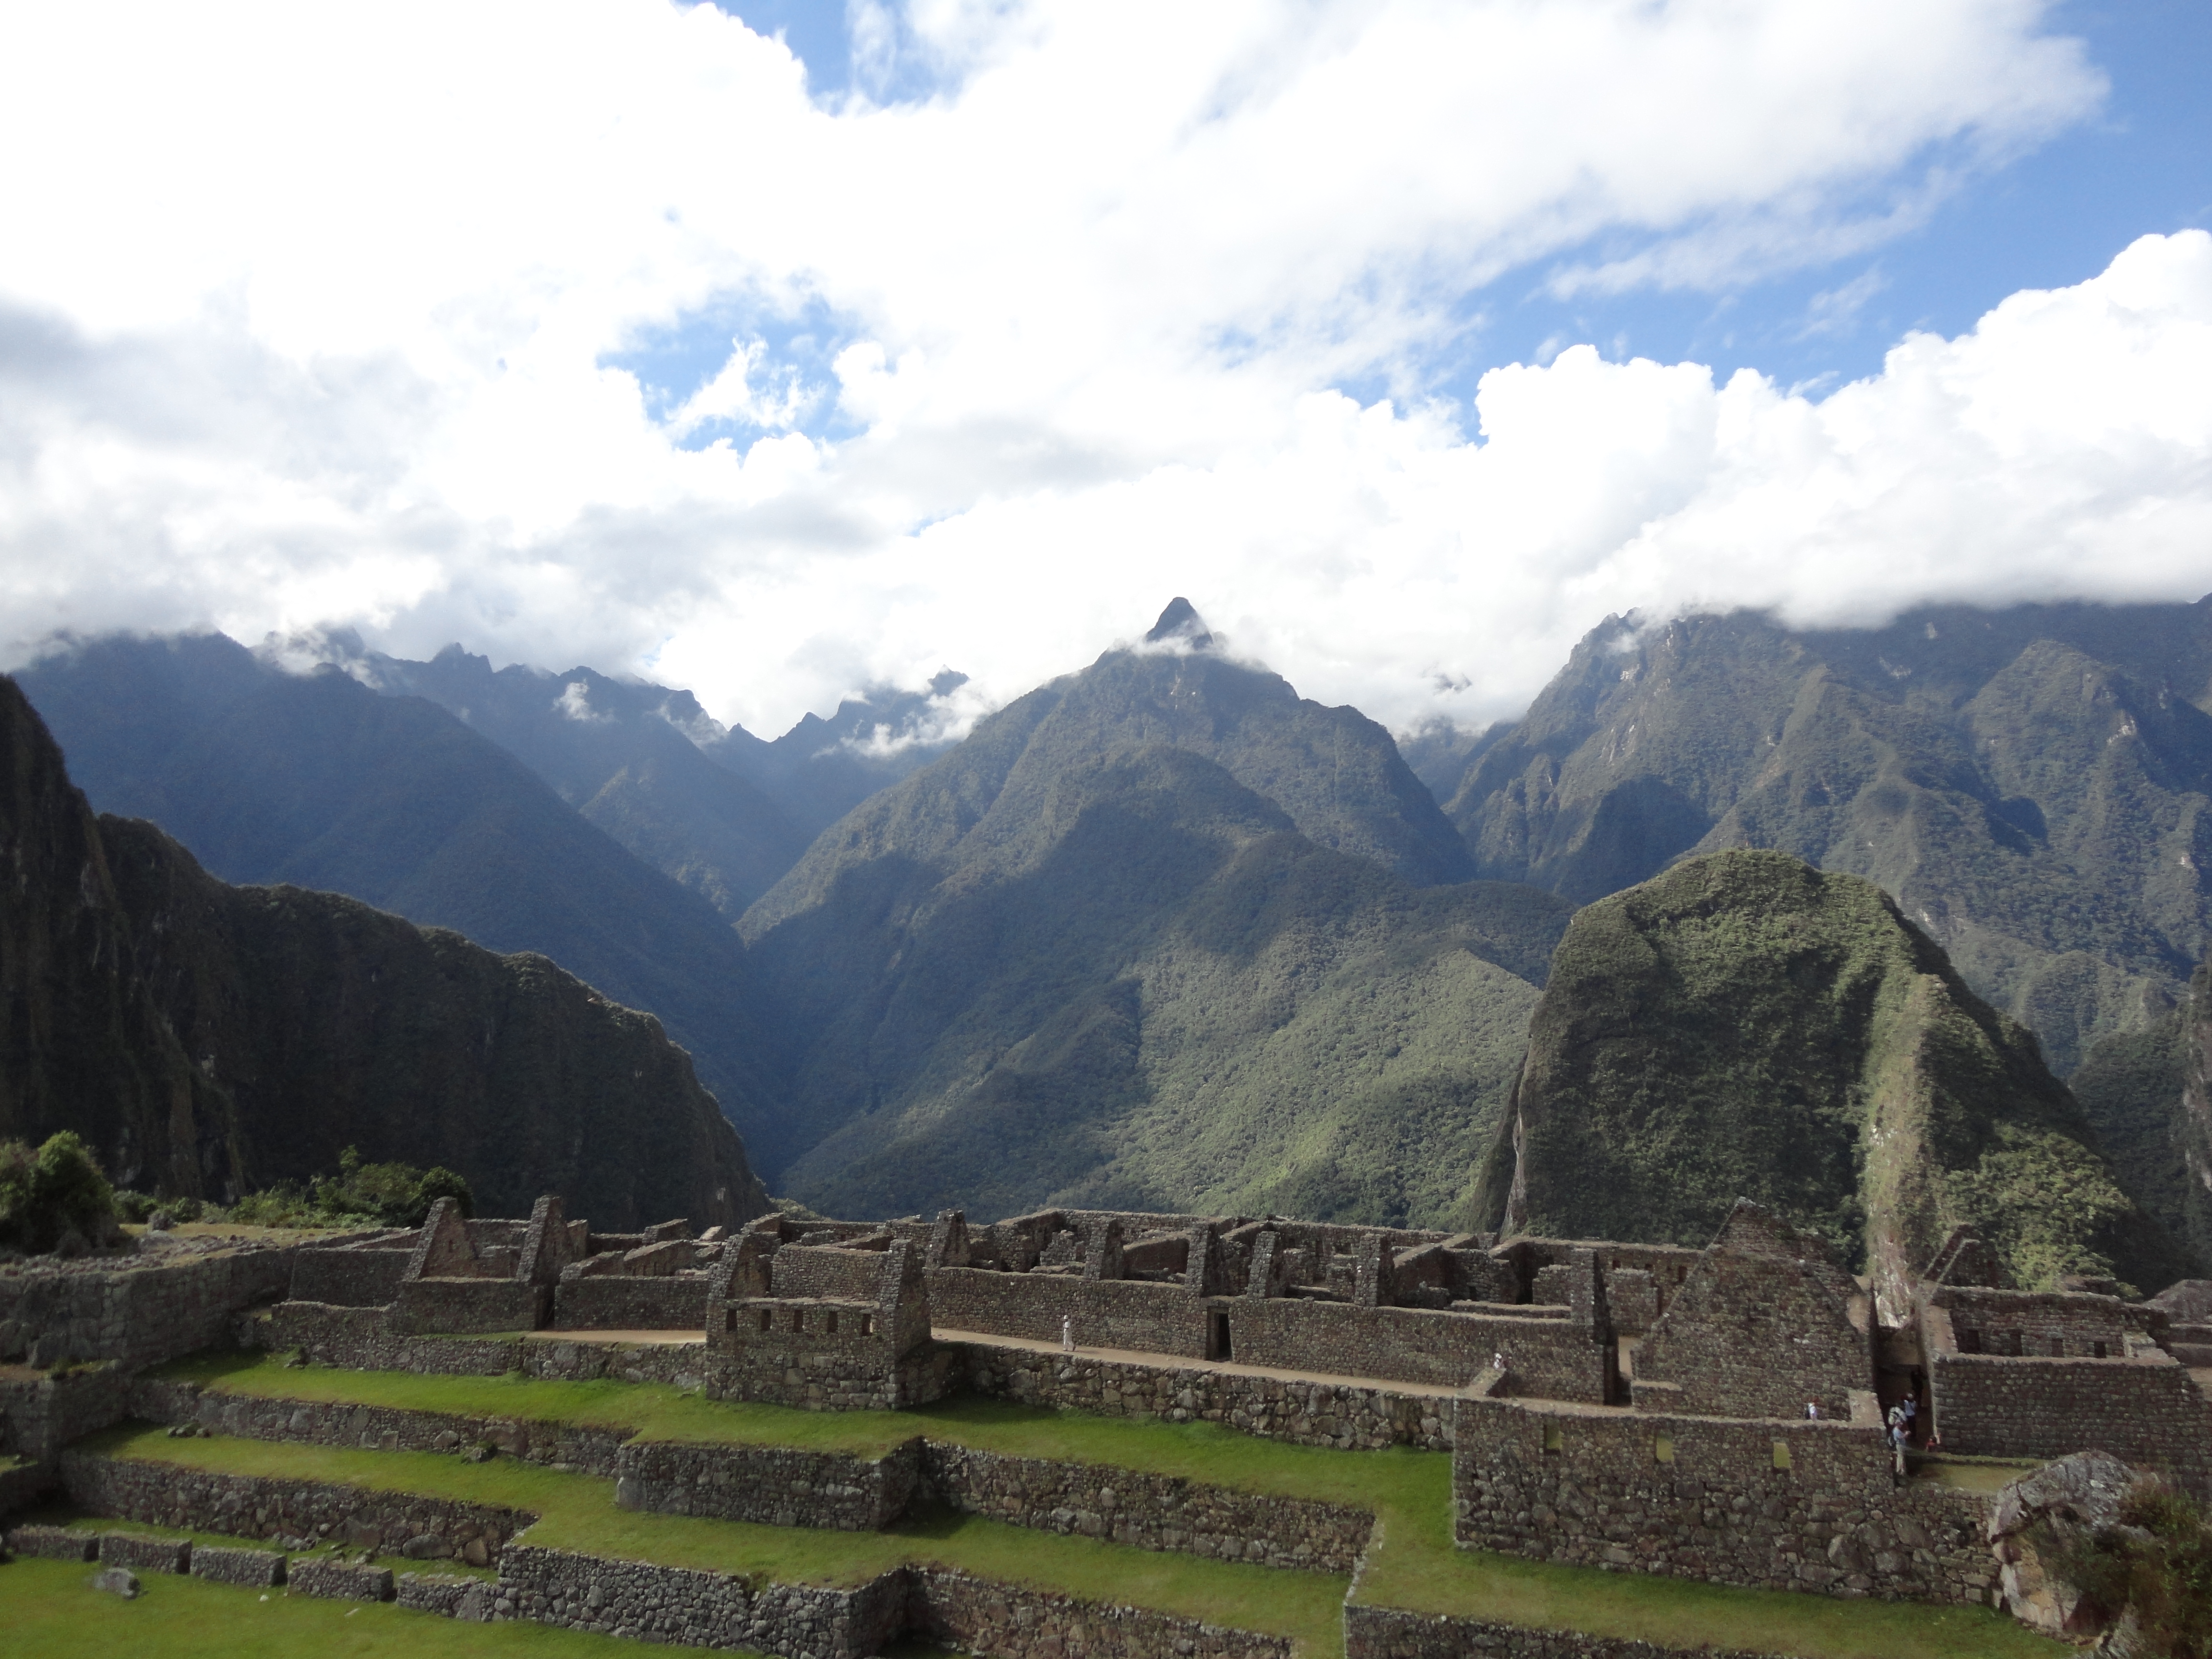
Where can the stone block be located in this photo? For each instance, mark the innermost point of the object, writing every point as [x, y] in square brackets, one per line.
[54, 1544]
[129, 1549]
[339, 1581]
[254, 1569]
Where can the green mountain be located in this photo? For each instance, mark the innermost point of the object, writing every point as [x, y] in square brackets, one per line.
[2032, 785]
[1151, 936]
[315, 780]
[208, 1039]
[2148, 1093]
[1744, 1025]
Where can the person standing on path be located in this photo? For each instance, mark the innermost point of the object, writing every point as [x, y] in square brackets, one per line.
[1067, 1334]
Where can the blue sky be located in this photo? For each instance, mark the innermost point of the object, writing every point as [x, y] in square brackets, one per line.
[2049, 218]
[1397, 334]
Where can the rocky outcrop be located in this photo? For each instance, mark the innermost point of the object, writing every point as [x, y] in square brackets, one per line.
[2037, 1519]
[1747, 1026]
[209, 1039]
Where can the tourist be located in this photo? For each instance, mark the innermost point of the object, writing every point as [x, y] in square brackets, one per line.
[1813, 1411]
[1067, 1334]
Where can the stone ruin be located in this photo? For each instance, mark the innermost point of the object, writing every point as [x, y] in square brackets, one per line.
[1715, 1411]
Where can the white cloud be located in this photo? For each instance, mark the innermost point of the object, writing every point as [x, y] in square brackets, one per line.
[304, 316]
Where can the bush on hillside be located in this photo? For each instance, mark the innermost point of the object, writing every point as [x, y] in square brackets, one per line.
[2153, 1569]
[54, 1195]
[374, 1195]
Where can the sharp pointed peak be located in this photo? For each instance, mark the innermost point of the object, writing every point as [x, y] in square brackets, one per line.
[1181, 620]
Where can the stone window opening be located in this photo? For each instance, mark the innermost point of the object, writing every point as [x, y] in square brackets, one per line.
[2098, 1348]
[2013, 1346]
[1663, 1449]
[1970, 1341]
[766, 1316]
[2058, 1347]
[1217, 1344]
[730, 1319]
[867, 1324]
[799, 1319]
[831, 1328]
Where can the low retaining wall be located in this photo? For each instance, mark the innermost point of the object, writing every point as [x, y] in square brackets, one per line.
[377, 1428]
[698, 1608]
[366, 1339]
[254, 1569]
[1390, 1633]
[39, 1415]
[772, 1485]
[679, 1365]
[144, 1554]
[254, 1506]
[1309, 1414]
[339, 1581]
[1008, 1621]
[1148, 1511]
[1778, 1505]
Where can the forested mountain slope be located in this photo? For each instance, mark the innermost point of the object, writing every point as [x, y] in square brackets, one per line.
[1102, 952]
[316, 781]
[1744, 1025]
[2034, 786]
[208, 1039]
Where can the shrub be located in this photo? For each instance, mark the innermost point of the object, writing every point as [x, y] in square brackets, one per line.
[47, 1195]
[2154, 1561]
[360, 1194]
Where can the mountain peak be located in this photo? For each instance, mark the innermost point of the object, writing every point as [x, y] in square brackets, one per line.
[1181, 620]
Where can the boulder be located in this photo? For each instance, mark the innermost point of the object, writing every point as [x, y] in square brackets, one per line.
[2038, 1515]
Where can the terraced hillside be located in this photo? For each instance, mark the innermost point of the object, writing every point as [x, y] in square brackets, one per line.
[288, 1445]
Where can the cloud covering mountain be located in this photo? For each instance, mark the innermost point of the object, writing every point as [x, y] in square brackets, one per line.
[592, 334]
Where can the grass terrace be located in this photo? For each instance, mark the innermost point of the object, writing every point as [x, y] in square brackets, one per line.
[1414, 1564]
[48, 1614]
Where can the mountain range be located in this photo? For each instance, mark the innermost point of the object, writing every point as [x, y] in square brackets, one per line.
[1164, 932]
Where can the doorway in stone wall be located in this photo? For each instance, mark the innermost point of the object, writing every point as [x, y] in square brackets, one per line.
[1216, 1336]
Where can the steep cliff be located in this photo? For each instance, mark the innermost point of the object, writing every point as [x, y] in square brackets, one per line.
[1747, 1026]
[208, 1039]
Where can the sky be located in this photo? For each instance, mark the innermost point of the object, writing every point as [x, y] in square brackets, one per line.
[780, 351]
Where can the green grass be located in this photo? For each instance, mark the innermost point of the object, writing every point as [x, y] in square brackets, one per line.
[577, 1512]
[1415, 1563]
[48, 1612]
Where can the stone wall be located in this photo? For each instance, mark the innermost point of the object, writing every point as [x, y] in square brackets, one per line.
[349, 1278]
[367, 1339]
[698, 1608]
[2146, 1411]
[624, 1301]
[817, 1370]
[427, 1305]
[774, 1485]
[377, 1428]
[679, 1365]
[1372, 1632]
[1011, 1621]
[1308, 1413]
[252, 1507]
[1753, 1335]
[1153, 1318]
[1148, 1511]
[2040, 1324]
[1554, 1357]
[140, 1311]
[1780, 1505]
[39, 1415]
